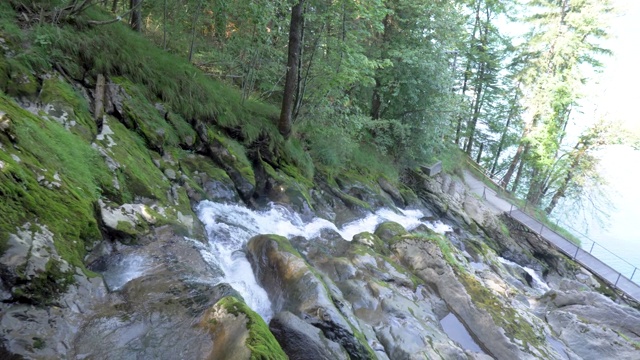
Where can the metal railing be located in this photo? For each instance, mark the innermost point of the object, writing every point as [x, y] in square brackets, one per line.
[558, 229]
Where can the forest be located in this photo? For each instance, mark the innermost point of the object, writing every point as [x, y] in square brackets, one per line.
[384, 86]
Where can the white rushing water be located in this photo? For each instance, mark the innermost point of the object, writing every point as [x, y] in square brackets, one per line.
[537, 281]
[229, 227]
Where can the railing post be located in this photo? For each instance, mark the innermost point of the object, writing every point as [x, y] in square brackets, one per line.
[634, 272]
[575, 256]
[616, 284]
[511, 209]
[484, 192]
[541, 228]
[592, 245]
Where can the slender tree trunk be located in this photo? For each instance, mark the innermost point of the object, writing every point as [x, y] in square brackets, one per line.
[291, 81]
[480, 153]
[114, 6]
[467, 71]
[164, 26]
[194, 26]
[471, 128]
[376, 99]
[504, 134]
[136, 15]
[523, 157]
[573, 168]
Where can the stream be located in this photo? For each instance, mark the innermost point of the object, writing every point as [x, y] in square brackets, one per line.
[229, 227]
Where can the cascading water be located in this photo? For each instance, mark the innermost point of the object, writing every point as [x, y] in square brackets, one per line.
[229, 227]
[537, 281]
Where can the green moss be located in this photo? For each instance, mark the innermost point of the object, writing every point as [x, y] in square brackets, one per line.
[127, 228]
[365, 250]
[261, 343]
[504, 229]
[408, 195]
[183, 129]
[503, 316]
[138, 175]
[373, 241]
[605, 289]
[445, 247]
[57, 92]
[635, 344]
[38, 343]
[142, 117]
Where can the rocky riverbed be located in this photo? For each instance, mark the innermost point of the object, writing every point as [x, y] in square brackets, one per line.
[191, 251]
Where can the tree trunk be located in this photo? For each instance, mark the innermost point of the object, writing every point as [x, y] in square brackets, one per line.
[471, 128]
[194, 26]
[467, 70]
[136, 15]
[291, 81]
[559, 194]
[164, 26]
[376, 100]
[480, 153]
[504, 134]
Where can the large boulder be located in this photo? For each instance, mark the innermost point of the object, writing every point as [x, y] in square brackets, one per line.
[302, 341]
[293, 286]
[160, 289]
[239, 333]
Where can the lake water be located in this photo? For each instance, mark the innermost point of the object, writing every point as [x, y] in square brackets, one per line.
[620, 166]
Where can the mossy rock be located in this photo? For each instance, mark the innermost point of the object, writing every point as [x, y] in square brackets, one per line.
[137, 174]
[288, 187]
[62, 98]
[517, 329]
[21, 81]
[389, 230]
[234, 154]
[373, 241]
[46, 153]
[259, 342]
[143, 117]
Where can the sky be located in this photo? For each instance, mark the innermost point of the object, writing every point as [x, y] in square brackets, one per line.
[614, 94]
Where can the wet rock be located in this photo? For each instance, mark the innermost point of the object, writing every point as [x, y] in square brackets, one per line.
[429, 264]
[395, 194]
[31, 267]
[156, 303]
[590, 341]
[38, 332]
[239, 333]
[302, 341]
[592, 309]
